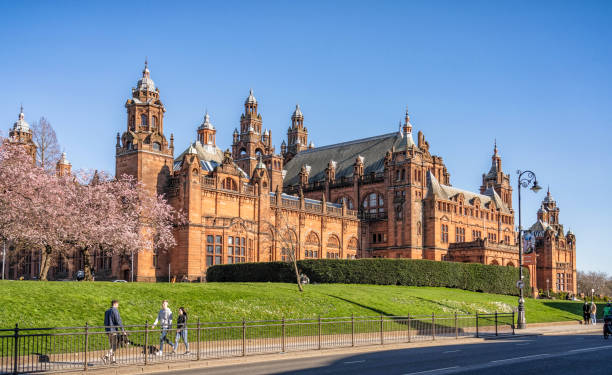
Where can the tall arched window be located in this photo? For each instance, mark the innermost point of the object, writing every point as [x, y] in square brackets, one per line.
[154, 123]
[311, 248]
[143, 120]
[374, 203]
[348, 201]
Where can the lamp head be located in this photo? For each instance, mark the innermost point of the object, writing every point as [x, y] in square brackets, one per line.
[535, 188]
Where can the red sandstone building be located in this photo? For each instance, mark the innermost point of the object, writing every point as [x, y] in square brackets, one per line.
[382, 196]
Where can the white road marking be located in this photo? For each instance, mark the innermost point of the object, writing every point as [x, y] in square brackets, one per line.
[451, 351]
[591, 349]
[432, 371]
[520, 358]
[348, 363]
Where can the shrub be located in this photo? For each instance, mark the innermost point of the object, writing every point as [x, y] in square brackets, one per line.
[381, 271]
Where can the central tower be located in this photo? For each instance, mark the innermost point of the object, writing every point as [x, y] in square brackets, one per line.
[143, 151]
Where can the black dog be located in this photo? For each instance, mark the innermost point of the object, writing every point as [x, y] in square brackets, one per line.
[150, 349]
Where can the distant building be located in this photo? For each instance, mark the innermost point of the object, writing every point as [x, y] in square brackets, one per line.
[382, 196]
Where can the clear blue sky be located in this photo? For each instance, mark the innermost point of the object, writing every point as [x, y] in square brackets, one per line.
[534, 75]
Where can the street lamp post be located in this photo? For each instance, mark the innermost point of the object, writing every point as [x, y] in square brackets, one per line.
[523, 182]
[547, 288]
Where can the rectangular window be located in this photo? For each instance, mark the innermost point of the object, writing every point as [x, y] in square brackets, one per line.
[219, 239]
[230, 260]
[209, 260]
[444, 233]
[210, 249]
[218, 249]
[209, 238]
[230, 240]
[230, 250]
[218, 260]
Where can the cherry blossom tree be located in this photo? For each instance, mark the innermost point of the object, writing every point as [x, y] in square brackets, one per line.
[83, 212]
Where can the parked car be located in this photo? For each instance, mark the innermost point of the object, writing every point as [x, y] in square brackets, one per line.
[80, 275]
[119, 281]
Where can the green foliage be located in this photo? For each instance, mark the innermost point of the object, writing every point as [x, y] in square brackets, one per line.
[408, 272]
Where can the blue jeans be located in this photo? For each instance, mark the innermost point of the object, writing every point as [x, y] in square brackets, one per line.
[593, 318]
[181, 334]
[164, 338]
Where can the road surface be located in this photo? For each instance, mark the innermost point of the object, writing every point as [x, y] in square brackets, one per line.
[542, 355]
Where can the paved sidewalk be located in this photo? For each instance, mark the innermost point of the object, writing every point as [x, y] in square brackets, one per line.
[558, 328]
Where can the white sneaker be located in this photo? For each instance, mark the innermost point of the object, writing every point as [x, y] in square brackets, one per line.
[159, 353]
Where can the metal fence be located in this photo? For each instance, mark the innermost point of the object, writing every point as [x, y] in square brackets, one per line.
[30, 350]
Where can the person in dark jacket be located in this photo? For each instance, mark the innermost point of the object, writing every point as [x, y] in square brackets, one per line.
[181, 330]
[113, 327]
[586, 312]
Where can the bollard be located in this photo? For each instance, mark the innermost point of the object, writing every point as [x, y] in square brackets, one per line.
[86, 346]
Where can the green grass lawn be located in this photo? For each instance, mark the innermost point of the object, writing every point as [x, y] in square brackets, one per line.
[55, 304]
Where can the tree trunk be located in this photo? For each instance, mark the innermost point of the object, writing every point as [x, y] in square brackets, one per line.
[87, 266]
[297, 274]
[45, 263]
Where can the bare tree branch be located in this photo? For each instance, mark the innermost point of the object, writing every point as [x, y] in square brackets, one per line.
[48, 151]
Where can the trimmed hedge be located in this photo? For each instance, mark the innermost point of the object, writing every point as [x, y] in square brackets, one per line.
[381, 271]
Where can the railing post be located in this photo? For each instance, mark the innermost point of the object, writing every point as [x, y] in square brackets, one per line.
[495, 322]
[382, 332]
[477, 324]
[409, 338]
[352, 329]
[283, 336]
[86, 346]
[320, 329]
[145, 349]
[433, 326]
[199, 339]
[513, 321]
[456, 326]
[243, 337]
[16, 349]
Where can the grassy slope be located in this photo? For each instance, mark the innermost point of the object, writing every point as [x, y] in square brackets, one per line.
[37, 304]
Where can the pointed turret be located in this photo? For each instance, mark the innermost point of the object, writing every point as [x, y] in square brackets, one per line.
[206, 131]
[497, 179]
[21, 134]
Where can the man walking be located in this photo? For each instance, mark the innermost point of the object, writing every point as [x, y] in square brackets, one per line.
[593, 313]
[164, 318]
[113, 327]
[586, 312]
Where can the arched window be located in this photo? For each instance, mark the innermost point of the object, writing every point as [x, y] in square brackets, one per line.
[347, 200]
[311, 248]
[132, 123]
[374, 203]
[143, 120]
[156, 146]
[154, 123]
[333, 247]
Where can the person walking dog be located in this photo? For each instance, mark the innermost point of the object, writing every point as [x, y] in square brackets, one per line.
[113, 327]
[164, 318]
[181, 330]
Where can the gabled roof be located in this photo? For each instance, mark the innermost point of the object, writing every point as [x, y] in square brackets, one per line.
[210, 157]
[373, 151]
[447, 192]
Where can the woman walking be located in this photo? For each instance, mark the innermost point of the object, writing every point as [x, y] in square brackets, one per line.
[181, 330]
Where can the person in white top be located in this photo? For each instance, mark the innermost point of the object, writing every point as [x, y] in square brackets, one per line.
[164, 318]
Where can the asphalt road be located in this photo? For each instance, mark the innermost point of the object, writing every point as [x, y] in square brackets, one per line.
[558, 355]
